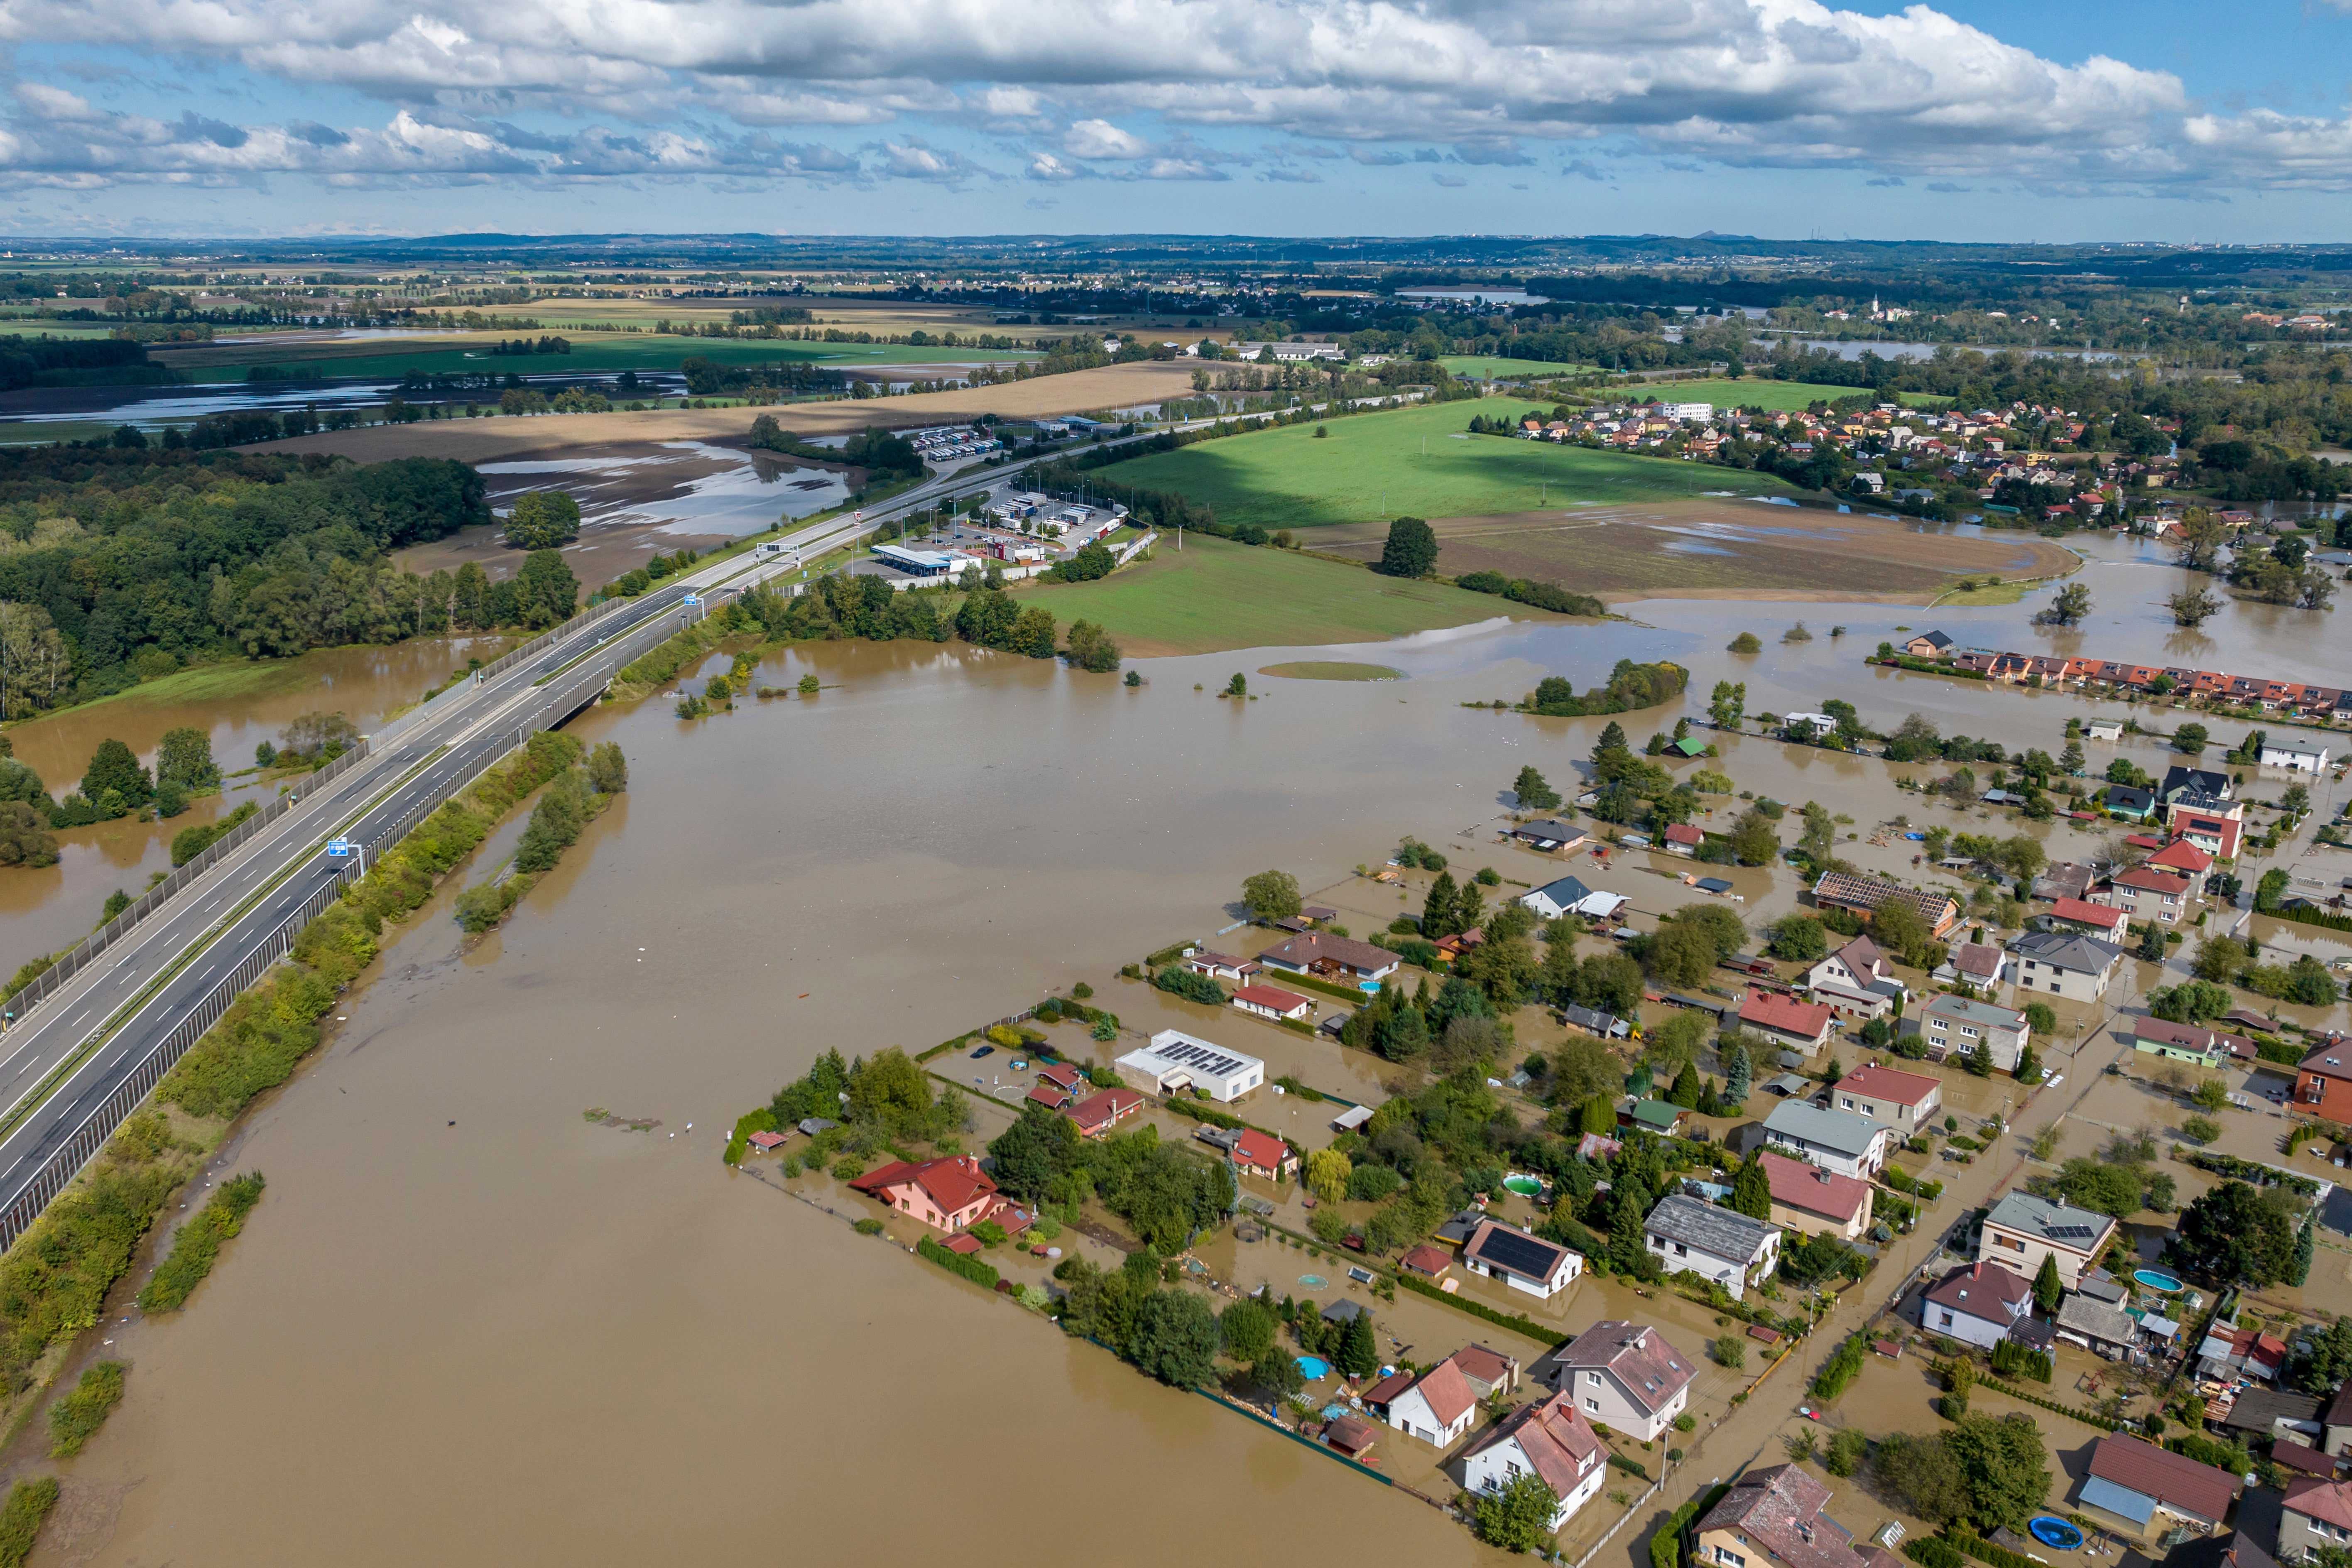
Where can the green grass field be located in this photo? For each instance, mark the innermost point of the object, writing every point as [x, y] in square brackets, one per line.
[1331, 669]
[1482, 367]
[1215, 594]
[646, 352]
[1375, 466]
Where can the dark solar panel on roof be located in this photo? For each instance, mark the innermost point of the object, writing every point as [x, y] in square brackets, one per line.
[2071, 1232]
[1519, 1254]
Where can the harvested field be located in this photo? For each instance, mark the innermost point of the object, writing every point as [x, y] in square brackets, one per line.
[491, 440]
[1718, 549]
[1331, 669]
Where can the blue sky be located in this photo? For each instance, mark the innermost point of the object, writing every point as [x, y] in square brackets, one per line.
[1999, 120]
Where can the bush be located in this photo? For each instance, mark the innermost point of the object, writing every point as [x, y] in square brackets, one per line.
[20, 1520]
[1841, 1368]
[869, 1227]
[971, 1268]
[198, 1245]
[1731, 1350]
[76, 1418]
[1191, 987]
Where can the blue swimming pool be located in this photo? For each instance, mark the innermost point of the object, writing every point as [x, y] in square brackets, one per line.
[1313, 1368]
[2156, 1279]
[2053, 1531]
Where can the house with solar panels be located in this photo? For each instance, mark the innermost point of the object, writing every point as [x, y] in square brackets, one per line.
[1524, 1262]
[2022, 1230]
[1175, 1060]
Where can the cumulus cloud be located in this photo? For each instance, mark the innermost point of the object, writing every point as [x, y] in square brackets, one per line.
[1751, 83]
[1452, 180]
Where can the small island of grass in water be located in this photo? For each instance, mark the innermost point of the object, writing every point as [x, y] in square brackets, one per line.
[1332, 669]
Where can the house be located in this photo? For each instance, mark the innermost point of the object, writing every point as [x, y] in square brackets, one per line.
[1220, 966]
[1977, 964]
[1927, 645]
[1331, 957]
[1848, 1144]
[2060, 963]
[1548, 836]
[1857, 978]
[946, 1195]
[2323, 1082]
[2081, 914]
[1098, 1113]
[1657, 1116]
[2318, 1513]
[1436, 1406]
[1429, 1262]
[1592, 1021]
[1785, 1020]
[1490, 1371]
[2022, 1230]
[1052, 1096]
[1816, 1200]
[2231, 1352]
[1271, 1002]
[1524, 1262]
[2214, 825]
[2182, 857]
[2147, 893]
[1176, 1060]
[1962, 1024]
[2104, 729]
[2179, 777]
[2132, 1480]
[1554, 900]
[1906, 1101]
[2129, 800]
[1624, 1375]
[2186, 1042]
[1862, 895]
[1549, 1438]
[1714, 1243]
[2259, 1415]
[2294, 751]
[1977, 1304]
[1773, 1517]
[1255, 1154]
[2096, 1325]
[1061, 1076]
[2065, 879]
[1682, 838]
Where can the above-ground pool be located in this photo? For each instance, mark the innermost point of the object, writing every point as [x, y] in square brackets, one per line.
[2052, 1531]
[1526, 1186]
[1369, 987]
[1313, 1281]
[2157, 1280]
[1313, 1368]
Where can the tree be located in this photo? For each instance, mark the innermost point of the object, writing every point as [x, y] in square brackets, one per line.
[1359, 1353]
[1923, 1474]
[2238, 1235]
[1089, 647]
[1731, 1350]
[1277, 1373]
[1033, 633]
[1519, 1516]
[25, 837]
[1437, 917]
[1728, 705]
[1034, 1151]
[2072, 604]
[1682, 953]
[1798, 938]
[2189, 739]
[1532, 792]
[546, 593]
[2213, 1095]
[2048, 1289]
[541, 520]
[1599, 1115]
[113, 768]
[1246, 1330]
[1582, 1067]
[1325, 1172]
[2192, 606]
[2006, 1465]
[608, 770]
[2218, 960]
[1685, 1090]
[2151, 944]
[1271, 895]
[1752, 1190]
[2203, 1128]
[1736, 1069]
[184, 757]
[1411, 550]
[1176, 1339]
[1754, 840]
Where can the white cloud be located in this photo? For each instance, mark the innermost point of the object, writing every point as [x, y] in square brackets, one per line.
[1097, 139]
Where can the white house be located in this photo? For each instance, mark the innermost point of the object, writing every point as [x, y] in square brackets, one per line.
[1714, 1243]
[1549, 1438]
[1530, 1263]
[1857, 978]
[1624, 1375]
[1849, 1145]
[1555, 899]
[2022, 1230]
[1175, 1060]
[1437, 1406]
[1905, 1102]
[2294, 751]
[1977, 1305]
[2060, 963]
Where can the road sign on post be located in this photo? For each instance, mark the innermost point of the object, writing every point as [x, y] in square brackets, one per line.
[694, 598]
[339, 847]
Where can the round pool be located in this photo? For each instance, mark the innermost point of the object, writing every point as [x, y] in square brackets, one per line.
[1526, 1186]
[2053, 1531]
[1313, 1368]
[1313, 1281]
[2157, 1280]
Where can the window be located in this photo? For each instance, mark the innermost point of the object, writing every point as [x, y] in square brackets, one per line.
[1592, 1405]
[1725, 1554]
[1593, 1378]
[1948, 1319]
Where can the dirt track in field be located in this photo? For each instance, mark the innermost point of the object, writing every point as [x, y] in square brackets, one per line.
[491, 440]
[1719, 549]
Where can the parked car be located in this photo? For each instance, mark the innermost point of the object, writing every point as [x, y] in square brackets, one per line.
[983, 1051]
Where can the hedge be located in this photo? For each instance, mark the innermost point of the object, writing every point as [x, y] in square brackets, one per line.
[2087, 1417]
[1841, 1367]
[2304, 915]
[1930, 1553]
[2013, 1360]
[198, 1245]
[2257, 1174]
[971, 1268]
[1666, 1545]
[1536, 1332]
[1630, 1467]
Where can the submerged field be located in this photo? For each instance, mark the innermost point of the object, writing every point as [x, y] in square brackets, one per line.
[1415, 462]
[1216, 595]
[1718, 548]
[442, 353]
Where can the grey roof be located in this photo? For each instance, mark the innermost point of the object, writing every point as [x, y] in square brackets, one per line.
[2260, 1409]
[2064, 949]
[1718, 1232]
[2294, 745]
[2129, 798]
[2105, 1290]
[2056, 1224]
[1565, 892]
[1592, 1020]
[1841, 1130]
[1557, 832]
[2197, 781]
[813, 1125]
[1969, 1010]
[1789, 1083]
[2099, 1321]
[1340, 1311]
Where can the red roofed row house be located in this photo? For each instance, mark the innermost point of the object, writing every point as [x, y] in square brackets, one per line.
[2148, 893]
[2285, 696]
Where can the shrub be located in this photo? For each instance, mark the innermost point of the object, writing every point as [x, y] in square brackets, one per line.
[869, 1227]
[198, 1245]
[76, 1418]
[973, 1269]
[20, 1519]
[1841, 1368]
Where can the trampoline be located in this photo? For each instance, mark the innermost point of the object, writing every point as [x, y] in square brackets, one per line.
[2053, 1531]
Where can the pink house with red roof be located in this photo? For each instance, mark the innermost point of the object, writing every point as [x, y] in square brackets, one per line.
[946, 1195]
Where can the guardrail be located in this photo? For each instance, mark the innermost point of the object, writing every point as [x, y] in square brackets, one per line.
[517, 655]
[91, 1133]
[53, 979]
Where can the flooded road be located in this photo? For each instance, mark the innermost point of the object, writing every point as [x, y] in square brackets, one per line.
[467, 1326]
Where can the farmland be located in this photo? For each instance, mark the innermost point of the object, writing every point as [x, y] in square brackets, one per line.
[1416, 462]
[468, 354]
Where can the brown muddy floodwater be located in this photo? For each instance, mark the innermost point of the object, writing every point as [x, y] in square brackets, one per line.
[466, 1326]
[45, 908]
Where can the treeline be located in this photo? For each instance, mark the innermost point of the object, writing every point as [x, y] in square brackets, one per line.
[1541, 596]
[131, 563]
[1630, 687]
[881, 454]
[76, 362]
[840, 606]
[574, 798]
[706, 378]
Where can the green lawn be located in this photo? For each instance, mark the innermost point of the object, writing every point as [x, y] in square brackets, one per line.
[1483, 367]
[644, 353]
[1217, 595]
[1376, 466]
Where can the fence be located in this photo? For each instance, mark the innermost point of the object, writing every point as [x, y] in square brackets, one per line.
[91, 1134]
[54, 978]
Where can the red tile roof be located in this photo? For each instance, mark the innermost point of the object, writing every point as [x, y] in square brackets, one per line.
[2182, 855]
[1815, 1190]
[1315, 946]
[1388, 1388]
[1485, 1364]
[1447, 1390]
[1983, 1290]
[2316, 1498]
[1768, 1010]
[2174, 1479]
[1348, 1435]
[1099, 1111]
[1890, 1084]
[1427, 1260]
[1255, 1151]
[766, 1140]
[1683, 833]
[1781, 1507]
[2089, 914]
[2152, 878]
[1271, 996]
[1063, 1073]
[1053, 1097]
[2311, 1461]
[1638, 1354]
[1560, 1445]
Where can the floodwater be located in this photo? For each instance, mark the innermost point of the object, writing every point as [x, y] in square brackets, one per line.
[154, 407]
[46, 908]
[596, 1345]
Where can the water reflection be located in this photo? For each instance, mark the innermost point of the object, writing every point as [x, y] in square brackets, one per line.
[691, 487]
